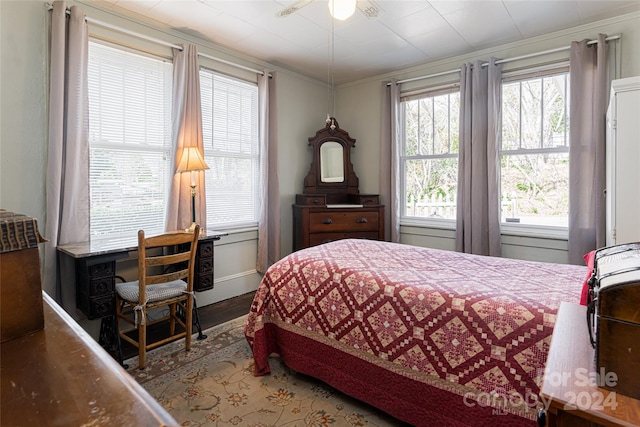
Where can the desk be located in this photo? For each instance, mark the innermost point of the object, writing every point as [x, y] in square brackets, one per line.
[95, 274]
[571, 400]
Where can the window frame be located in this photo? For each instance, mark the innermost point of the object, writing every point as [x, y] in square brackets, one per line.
[440, 223]
[524, 229]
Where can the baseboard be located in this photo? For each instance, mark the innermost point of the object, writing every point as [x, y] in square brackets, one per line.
[230, 286]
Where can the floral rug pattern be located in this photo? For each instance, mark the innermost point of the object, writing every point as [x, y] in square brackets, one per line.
[213, 385]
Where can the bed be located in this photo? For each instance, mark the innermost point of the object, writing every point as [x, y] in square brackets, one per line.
[431, 337]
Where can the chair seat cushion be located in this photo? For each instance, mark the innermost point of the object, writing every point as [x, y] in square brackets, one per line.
[130, 291]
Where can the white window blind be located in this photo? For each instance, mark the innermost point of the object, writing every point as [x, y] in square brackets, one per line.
[231, 150]
[129, 140]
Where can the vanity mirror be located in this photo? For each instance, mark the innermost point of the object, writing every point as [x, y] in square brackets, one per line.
[331, 172]
[331, 206]
[331, 162]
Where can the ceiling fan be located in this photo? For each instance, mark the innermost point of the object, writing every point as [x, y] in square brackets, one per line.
[368, 8]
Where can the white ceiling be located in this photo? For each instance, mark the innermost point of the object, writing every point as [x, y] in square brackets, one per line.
[408, 33]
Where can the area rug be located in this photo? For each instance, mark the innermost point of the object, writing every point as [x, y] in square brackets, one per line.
[213, 385]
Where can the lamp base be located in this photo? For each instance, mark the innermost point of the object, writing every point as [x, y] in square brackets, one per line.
[191, 228]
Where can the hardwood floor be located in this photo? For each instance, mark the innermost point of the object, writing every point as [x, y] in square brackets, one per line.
[210, 315]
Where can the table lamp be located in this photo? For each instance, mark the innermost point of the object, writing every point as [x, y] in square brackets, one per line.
[192, 161]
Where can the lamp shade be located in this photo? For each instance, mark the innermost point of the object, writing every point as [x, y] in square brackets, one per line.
[342, 9]
[191, 160]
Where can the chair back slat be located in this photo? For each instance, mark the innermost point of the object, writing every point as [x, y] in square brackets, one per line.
[168, 239]
[162, 260]
[168, 277]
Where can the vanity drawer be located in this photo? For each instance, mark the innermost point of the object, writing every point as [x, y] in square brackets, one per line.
[369, 200]
[320, 238]
[311, 199]
[343, 221]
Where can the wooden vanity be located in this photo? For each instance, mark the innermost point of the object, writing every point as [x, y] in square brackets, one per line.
[314, 225]
[331, 206]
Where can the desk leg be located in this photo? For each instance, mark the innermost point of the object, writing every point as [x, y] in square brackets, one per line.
[110, 338]
[196, 320]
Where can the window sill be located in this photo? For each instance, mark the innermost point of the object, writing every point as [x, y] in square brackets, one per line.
[443, 224]
[236, 230]
[540, 231]
[521, 230]
[238, 234]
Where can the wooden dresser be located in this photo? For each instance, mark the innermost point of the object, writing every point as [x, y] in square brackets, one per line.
[331, 206]
[314, 225]
[570, 389]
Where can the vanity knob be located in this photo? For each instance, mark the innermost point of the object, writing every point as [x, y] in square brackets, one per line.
[362, 220]
[327, 221]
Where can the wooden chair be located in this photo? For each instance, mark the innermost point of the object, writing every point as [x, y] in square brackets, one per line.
[165, 279]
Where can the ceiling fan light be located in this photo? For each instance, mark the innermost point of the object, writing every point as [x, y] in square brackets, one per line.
[342, 9]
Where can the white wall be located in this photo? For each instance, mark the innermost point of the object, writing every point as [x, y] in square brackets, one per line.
[23, 116]
[358, 109]
[301, 110]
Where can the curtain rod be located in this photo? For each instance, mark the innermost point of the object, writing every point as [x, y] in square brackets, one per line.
[161, 42]
[502, 61]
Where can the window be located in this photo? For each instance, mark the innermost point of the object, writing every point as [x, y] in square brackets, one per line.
[429, 157]
[231, 150]
[129, 141]
[535, 151]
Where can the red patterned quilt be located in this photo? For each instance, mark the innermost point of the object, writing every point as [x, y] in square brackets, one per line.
[429, 336]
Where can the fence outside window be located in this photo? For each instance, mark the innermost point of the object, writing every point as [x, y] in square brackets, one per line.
[444, 206]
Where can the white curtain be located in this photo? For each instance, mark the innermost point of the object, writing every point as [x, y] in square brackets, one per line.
[269, 221]
[68, 150]
[478, 215]
[187, 132]
[589, 78]
[390, 161]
